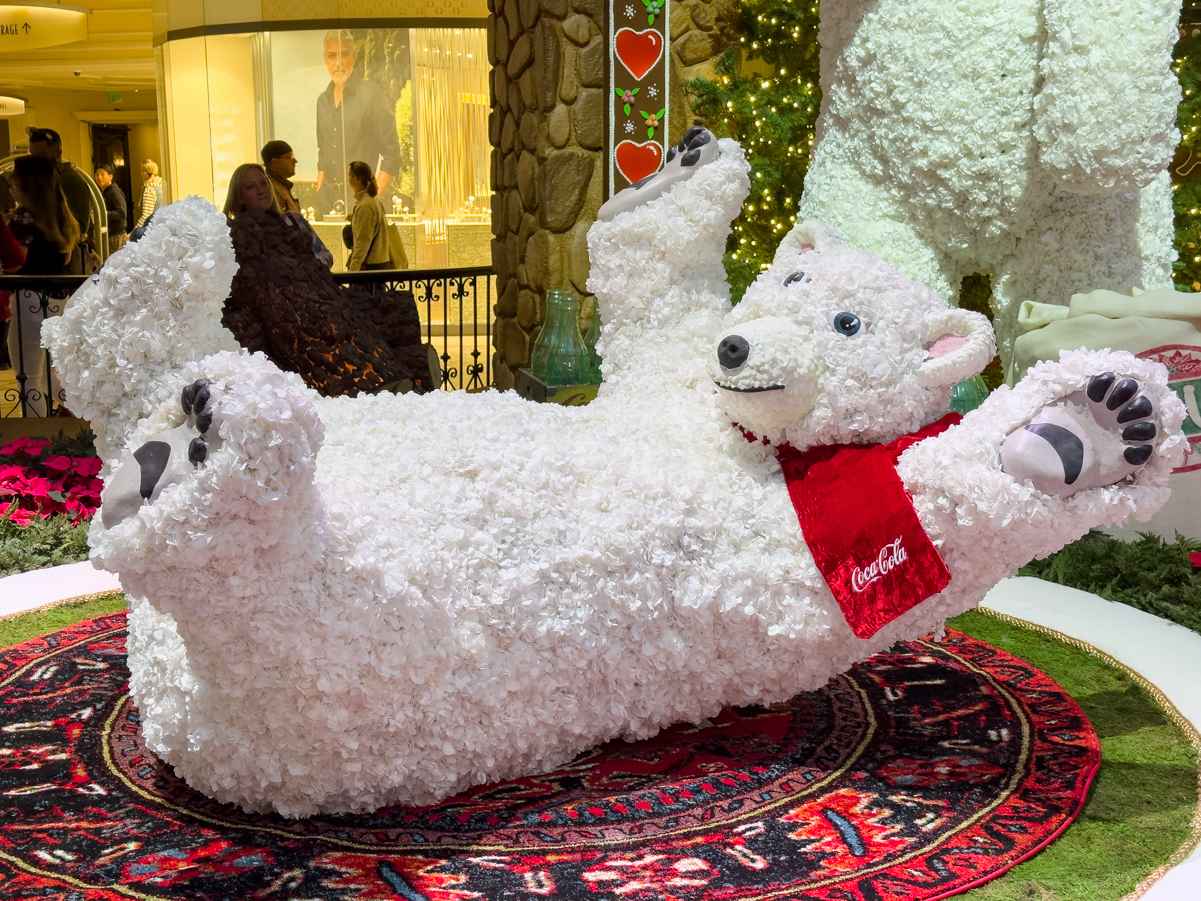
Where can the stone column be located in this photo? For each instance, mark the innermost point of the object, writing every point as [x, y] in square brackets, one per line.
[547, 131]
[701, 30]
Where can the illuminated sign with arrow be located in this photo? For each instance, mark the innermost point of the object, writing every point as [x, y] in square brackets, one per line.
[31, 26]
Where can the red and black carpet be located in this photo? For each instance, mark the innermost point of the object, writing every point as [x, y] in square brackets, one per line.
[922, 773]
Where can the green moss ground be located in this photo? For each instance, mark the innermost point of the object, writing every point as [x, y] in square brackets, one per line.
[16, 629]
[1144, 799]
[1138, 815]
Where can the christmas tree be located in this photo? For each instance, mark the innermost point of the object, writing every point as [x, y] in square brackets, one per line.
[1186, 167]
[766, 95]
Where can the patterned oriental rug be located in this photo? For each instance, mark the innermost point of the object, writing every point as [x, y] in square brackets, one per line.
[922, 773]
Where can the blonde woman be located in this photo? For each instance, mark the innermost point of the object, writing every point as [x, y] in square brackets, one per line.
[250, 191]
[152, 192]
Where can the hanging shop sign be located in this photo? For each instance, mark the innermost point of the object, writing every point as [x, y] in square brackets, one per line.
[31, 26]
[638, 108]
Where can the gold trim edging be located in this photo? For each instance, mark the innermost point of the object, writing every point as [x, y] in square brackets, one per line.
[1170, 710]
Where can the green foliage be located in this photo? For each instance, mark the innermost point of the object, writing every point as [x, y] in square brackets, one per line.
[42, 543]
[766, 95]
[1150, 574]
[1142, 802]
[81, 444]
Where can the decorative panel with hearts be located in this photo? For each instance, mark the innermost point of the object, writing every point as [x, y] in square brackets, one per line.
[638, 82]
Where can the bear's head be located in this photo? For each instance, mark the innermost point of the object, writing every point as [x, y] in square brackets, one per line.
[831, 345]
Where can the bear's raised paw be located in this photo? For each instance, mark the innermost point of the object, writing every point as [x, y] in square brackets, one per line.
[697, 149]
[1098, 436]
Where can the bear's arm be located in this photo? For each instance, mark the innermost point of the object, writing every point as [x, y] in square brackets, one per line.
[980, 514]
[657, 266]
[1105, 117]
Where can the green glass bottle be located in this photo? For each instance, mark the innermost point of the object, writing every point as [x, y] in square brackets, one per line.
[560, 356]
[969, 394]
[593, 334]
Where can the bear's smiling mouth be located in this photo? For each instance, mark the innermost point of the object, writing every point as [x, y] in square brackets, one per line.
[748, 390]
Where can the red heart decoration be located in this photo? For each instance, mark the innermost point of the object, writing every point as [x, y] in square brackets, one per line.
[636, 161]
[638, 51]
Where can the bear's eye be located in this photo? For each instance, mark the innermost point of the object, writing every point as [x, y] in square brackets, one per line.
[793, 278]
[847, 324]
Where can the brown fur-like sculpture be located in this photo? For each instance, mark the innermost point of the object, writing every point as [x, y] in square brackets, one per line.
[342, 340]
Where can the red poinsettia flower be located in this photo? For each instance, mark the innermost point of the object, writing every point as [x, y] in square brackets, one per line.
[36, 486]
[29, 447]
[21, 516]
[85, 466]
[56, 463]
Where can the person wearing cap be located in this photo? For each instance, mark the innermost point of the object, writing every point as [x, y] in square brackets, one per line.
[280, 163]
[46, 142]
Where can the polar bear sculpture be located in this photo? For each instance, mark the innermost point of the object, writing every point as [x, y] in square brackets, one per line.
[343, 603]
[1028, 140]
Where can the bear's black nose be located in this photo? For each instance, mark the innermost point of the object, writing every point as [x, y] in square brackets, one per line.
[733, 351]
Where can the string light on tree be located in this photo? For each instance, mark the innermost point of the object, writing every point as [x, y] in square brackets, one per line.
[766, 94]
[1186, 167]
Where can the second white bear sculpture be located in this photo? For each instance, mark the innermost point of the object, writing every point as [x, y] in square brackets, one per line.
[343, 603]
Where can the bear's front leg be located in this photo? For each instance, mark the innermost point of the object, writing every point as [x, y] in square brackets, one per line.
[1105, 118]
[1078, 444]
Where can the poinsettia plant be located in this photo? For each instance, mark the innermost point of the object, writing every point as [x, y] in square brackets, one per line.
[37, 481]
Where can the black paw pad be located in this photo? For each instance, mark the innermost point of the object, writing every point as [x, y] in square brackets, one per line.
[690, 158]
[671, 153]
[198, 451]
[195, 396]
[204, 421]
[1139, 431]
[1139, 408]
[1137, 456]
[1122, 392]
[1099, 385]
[691, 135]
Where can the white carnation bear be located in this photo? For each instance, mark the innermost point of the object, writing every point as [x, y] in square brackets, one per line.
[343, 603]
[1026, 139]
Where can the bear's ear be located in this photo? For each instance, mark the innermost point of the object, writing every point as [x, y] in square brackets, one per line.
[811, 235]
[959, 344]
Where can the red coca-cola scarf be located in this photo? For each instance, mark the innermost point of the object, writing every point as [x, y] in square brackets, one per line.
[861, 528]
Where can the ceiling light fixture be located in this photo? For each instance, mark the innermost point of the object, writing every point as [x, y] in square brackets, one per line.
[31, 26]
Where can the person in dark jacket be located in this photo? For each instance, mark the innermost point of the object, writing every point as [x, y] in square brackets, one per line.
[116, 206]
[355, 121]
[44, 225]
[46, 143]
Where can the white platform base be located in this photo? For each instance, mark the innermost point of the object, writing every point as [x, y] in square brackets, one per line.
[1167, 655]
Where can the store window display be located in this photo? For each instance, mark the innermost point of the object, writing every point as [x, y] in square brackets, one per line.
[412, 103]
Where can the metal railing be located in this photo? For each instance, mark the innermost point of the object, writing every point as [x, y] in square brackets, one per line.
[455, 306]
[34, 391]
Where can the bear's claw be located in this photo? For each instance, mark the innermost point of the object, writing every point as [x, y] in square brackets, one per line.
[1133, 408]
[196, 401]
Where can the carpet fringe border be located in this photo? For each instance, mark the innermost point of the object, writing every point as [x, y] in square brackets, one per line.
[1193, 840]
